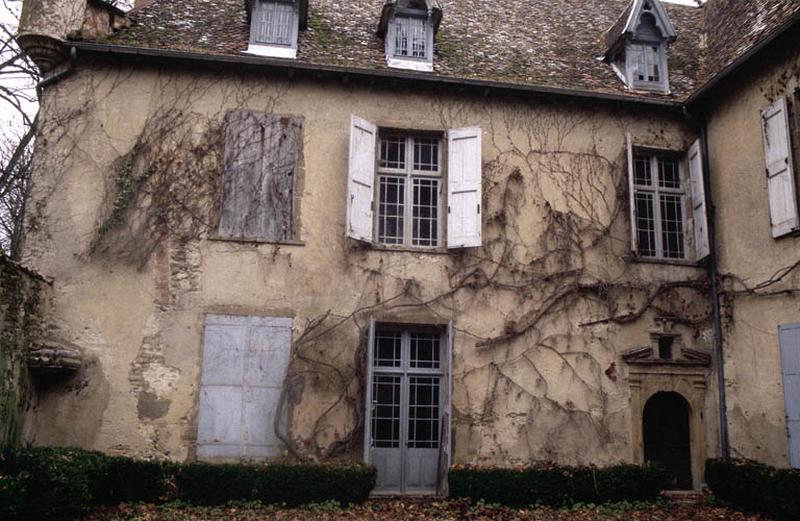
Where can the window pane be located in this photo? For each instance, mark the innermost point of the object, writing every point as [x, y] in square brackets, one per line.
[645, 224]
[386, 411]
[423, 412]
[393, 152]
[641, 171]
[651, 54]
[401, 37]
[387, 351]
[419, 38]
[668, 173]
[425, 350]
[672, 226]
[390, 210]
[425, 212]
[426, 154]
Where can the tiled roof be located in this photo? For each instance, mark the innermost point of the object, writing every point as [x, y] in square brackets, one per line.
[735, 26]
[543, 43]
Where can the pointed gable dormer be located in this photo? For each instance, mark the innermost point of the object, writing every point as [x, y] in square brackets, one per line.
[408, 28]
[636, 46]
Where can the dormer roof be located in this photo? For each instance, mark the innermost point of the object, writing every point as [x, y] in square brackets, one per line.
[625, 27]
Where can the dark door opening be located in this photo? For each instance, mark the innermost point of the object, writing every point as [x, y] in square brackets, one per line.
[666, 438]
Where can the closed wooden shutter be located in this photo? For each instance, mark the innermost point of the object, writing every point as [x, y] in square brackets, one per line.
[779, 168]
[361, 179]
[464, 188]
[790, 369]
[261, 162]
[700, 216]
[244, 366]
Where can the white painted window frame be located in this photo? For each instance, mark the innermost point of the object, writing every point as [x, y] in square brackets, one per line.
[653, 188]
[396, 61]
[273, 49]
[409, 173]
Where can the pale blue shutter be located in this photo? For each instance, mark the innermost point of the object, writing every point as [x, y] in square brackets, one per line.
[790, 369]
[244, 366]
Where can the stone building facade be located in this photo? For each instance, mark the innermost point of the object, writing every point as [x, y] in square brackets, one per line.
[417, 233]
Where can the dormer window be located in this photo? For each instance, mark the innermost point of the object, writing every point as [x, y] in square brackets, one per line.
[273, 28]
[410, 39]
[408, 27]
[646, 57]
[636, 46]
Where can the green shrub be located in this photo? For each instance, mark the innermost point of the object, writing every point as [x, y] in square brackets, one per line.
[277, 483]
[755, 487]
[57, 483]
[128, 480]
[556, 486]
[12, 497]
[45, 483]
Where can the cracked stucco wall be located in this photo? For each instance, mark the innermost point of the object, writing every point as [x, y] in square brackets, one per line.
[558, 392]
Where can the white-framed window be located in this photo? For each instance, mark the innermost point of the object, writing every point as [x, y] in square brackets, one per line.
[409, 42]
[273, 28]
[411, 37]
[667, 204]
[409, 187]
[659, 198]
[396, 187]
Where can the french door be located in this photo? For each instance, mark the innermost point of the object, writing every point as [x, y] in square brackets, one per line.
[407, 417]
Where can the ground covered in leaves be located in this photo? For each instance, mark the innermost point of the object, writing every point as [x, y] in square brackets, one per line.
[421, 510]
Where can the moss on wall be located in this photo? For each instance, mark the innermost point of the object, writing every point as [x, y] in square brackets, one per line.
[21, 312]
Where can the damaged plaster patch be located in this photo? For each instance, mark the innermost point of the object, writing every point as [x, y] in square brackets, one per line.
[152, 380]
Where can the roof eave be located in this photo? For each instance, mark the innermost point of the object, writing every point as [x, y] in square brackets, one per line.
[371, 74]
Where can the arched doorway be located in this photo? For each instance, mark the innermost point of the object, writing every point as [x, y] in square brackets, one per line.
[665, 422]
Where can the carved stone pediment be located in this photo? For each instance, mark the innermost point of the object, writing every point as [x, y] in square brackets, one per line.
[54, 355]
[681, 356]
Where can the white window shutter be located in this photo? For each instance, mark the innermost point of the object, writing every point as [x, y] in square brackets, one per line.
[700, 215]
[779, 168]
[361, 179]
[464, 188]
[632, 196]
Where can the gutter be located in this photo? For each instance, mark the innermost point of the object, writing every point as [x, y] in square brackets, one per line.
[713, 273]
[58, 75]
[729, 69]
[368, 74]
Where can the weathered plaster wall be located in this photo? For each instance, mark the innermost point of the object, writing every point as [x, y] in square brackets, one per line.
[23, 296]
[531, 381]
[749, 256]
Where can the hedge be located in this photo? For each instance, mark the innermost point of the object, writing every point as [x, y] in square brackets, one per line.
[62, 483]
[289, 484]
[556, 486]
[752, 486]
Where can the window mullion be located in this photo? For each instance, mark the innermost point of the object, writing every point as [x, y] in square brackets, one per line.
[408, 210]
[657, 207]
